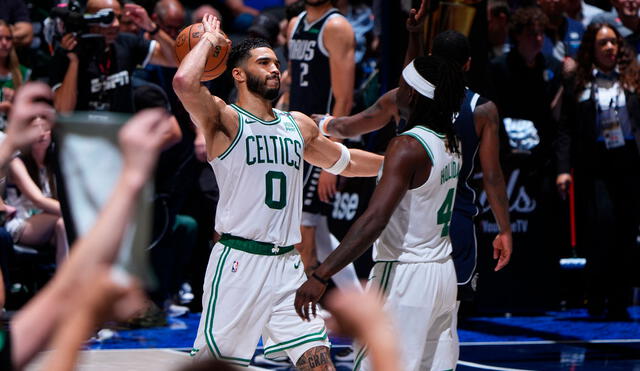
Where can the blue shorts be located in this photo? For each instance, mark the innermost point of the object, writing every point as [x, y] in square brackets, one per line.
[465, 247]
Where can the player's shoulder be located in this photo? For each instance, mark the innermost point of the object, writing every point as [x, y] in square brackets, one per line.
[337, 23]
[306, 125]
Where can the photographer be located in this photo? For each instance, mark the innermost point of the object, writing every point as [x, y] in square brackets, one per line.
[95, 73]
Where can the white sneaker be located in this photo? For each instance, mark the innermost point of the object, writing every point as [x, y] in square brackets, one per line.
[185, 293]
[177, 310]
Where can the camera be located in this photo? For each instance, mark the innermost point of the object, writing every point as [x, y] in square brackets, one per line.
[71, 19]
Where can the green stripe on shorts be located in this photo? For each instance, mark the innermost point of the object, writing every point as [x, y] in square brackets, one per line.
[208, 328]
[318, 336]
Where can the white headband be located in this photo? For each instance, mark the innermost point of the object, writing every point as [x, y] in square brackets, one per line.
[416, 81]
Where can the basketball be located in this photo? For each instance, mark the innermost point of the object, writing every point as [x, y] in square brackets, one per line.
[217, 60]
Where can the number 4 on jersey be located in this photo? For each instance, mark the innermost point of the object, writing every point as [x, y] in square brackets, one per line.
[445, 212]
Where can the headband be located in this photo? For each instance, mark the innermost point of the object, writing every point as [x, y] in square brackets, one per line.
[416, 81]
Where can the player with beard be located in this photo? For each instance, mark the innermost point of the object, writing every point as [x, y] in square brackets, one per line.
[256, 153]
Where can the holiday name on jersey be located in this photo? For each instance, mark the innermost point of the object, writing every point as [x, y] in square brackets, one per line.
[273, 149]
[450, 171]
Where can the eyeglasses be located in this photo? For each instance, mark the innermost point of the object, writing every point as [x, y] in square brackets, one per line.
[6, 38]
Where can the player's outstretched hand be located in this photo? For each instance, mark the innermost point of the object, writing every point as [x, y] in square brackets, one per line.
[141, 140]
[211, 25]
[33, 100]
[307, 296]
[416, 17]
[502, 247]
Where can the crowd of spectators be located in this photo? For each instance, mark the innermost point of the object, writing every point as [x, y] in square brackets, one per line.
[563, 74]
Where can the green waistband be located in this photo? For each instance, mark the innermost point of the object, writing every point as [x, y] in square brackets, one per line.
[253, 247]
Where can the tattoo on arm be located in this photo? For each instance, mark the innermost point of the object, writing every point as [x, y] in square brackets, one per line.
[316, 359]
[372, 111]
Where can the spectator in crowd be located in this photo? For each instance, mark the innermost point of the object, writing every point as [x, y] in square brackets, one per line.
[16, 14]
[169, 15]
[525, 66]
[602, 112]
[265, 26]
[126, 22]
[360, 17]
[200, 11]
[245, 11]
[562, 34]
[38, 218]
[12, 73]
[90, 77]
[581, 11]
[623, 16]
[498, 28]
[525, 86]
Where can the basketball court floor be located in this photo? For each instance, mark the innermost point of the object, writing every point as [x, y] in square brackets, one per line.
[567, 340]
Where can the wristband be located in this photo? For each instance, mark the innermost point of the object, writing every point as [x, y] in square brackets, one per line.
[154, 31]
[342, 162]
[320, 279]
[322, 125]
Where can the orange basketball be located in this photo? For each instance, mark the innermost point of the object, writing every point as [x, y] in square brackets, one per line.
[217, 61]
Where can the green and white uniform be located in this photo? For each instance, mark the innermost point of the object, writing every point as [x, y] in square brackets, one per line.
[414, 268]
[254, 271]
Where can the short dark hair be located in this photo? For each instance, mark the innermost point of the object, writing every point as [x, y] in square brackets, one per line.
[524, 17]
[241, 52]
[452, 45]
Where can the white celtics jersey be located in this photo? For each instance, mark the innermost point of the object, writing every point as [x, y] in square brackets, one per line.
[260, 180]
[419, 228]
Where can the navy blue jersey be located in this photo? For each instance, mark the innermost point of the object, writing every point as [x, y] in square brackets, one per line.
[462, 230]
[466, 130]
[310, 71]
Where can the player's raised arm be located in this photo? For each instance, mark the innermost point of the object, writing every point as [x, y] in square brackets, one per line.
[202, 106]
[335, 157]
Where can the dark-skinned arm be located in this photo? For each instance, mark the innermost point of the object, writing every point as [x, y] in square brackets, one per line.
[405, 159]
[486, 118]
[371, 119]
[414, 24]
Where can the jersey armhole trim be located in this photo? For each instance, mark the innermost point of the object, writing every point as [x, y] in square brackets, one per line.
[295, 124]
[321, 46]
[441, 136]
[423, 143]
[235, 140]
[242, 111]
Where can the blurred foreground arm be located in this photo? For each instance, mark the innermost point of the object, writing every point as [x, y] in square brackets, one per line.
[361, 315]
[140, 141]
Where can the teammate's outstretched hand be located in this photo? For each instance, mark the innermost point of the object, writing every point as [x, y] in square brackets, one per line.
[33, 100]
[308, 295]
[502, 247]
[141, 140]
[416, 17]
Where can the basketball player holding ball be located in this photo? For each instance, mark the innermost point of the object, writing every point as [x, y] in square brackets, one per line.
[256, 153]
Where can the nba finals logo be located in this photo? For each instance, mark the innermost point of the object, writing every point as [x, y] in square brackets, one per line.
[234, 267]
